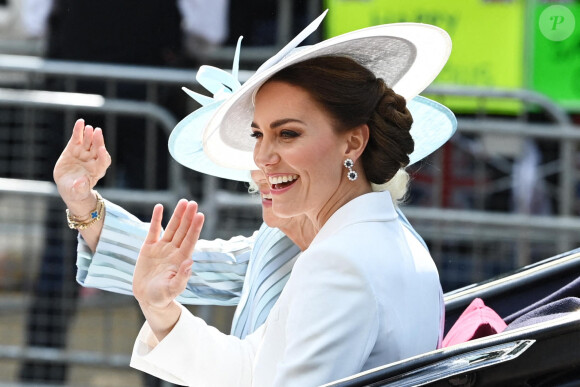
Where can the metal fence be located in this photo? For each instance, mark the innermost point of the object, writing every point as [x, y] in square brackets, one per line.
[79, 335]
[463, 199]
[51, 329]
[504, 192]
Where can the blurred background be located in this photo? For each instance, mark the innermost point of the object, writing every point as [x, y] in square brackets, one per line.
[502, 194]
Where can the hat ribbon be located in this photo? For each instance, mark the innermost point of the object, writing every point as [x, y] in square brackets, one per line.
[223, 84]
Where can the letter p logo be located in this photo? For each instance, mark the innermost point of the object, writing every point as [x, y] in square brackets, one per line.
[557, 22]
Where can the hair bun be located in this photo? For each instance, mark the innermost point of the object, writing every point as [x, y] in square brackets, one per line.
[393, 106]
[390, 142]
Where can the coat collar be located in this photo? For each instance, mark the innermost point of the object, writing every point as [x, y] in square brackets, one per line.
[370, 207]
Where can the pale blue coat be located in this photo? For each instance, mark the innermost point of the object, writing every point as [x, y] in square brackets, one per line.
[365, 293]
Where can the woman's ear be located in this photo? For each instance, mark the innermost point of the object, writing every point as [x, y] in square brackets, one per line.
[356, 141]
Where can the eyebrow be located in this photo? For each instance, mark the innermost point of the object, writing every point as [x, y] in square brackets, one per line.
[280, 122]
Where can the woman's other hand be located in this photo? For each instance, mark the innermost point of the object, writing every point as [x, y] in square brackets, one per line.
[83, 162]
[164, 265]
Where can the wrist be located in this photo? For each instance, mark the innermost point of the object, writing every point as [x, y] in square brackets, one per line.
[81, 222]
[157, 309]
[81, 209]
[161, 320]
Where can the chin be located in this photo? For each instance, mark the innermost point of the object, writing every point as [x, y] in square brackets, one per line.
[285, 211]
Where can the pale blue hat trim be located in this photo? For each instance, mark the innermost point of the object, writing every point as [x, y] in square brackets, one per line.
[433, 125]
[186, 139]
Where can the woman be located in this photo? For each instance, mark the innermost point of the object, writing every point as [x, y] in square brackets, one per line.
[251, 271]
[246, 272]
[326, 129]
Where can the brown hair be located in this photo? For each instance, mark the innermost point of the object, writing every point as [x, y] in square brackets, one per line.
[353, 96]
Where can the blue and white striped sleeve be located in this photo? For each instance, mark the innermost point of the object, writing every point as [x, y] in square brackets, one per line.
[218, 271]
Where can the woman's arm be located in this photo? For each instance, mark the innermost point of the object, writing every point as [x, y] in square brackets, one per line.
[216, 278]
[81, 165]
[160, 274]
[194, 353]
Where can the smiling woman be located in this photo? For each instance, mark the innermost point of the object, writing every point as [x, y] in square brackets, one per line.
[315, 124]
[329, 124]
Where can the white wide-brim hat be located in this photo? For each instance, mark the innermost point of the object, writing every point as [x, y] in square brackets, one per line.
[215, 139]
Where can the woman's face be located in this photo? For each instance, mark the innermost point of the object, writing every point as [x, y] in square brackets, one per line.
[297, 149]
[264, 188]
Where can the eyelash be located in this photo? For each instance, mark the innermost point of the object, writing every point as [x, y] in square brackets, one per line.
[289, 134]
[283, 133]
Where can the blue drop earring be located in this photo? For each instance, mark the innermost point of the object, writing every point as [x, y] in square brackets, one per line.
[352, 175]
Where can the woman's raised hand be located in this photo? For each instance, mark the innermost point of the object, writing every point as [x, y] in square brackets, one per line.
[164, 264]
[80, 166]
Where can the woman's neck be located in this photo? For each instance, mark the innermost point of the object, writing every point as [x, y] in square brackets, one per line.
[348, 191]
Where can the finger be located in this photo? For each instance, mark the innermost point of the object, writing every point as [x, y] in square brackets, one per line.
[185, 223]
[179, 282]
[185, 267]
[155, 228]
[193, 234]
[77, 134]
[87, 137]
[98, 139]
[103, 159]
[103, 156]
[175, 220]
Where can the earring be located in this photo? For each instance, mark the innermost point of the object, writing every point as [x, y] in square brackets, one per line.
[352, 175]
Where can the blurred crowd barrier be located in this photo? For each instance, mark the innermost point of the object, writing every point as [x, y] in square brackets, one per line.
[47, 322]
[502, 194]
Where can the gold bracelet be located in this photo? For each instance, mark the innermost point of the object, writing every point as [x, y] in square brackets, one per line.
[77, 223]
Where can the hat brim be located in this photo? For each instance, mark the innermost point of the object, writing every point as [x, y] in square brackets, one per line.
[408, 56]
[186, 146]
[433, 125]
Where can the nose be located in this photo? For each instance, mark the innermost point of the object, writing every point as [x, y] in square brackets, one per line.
[265, 154]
